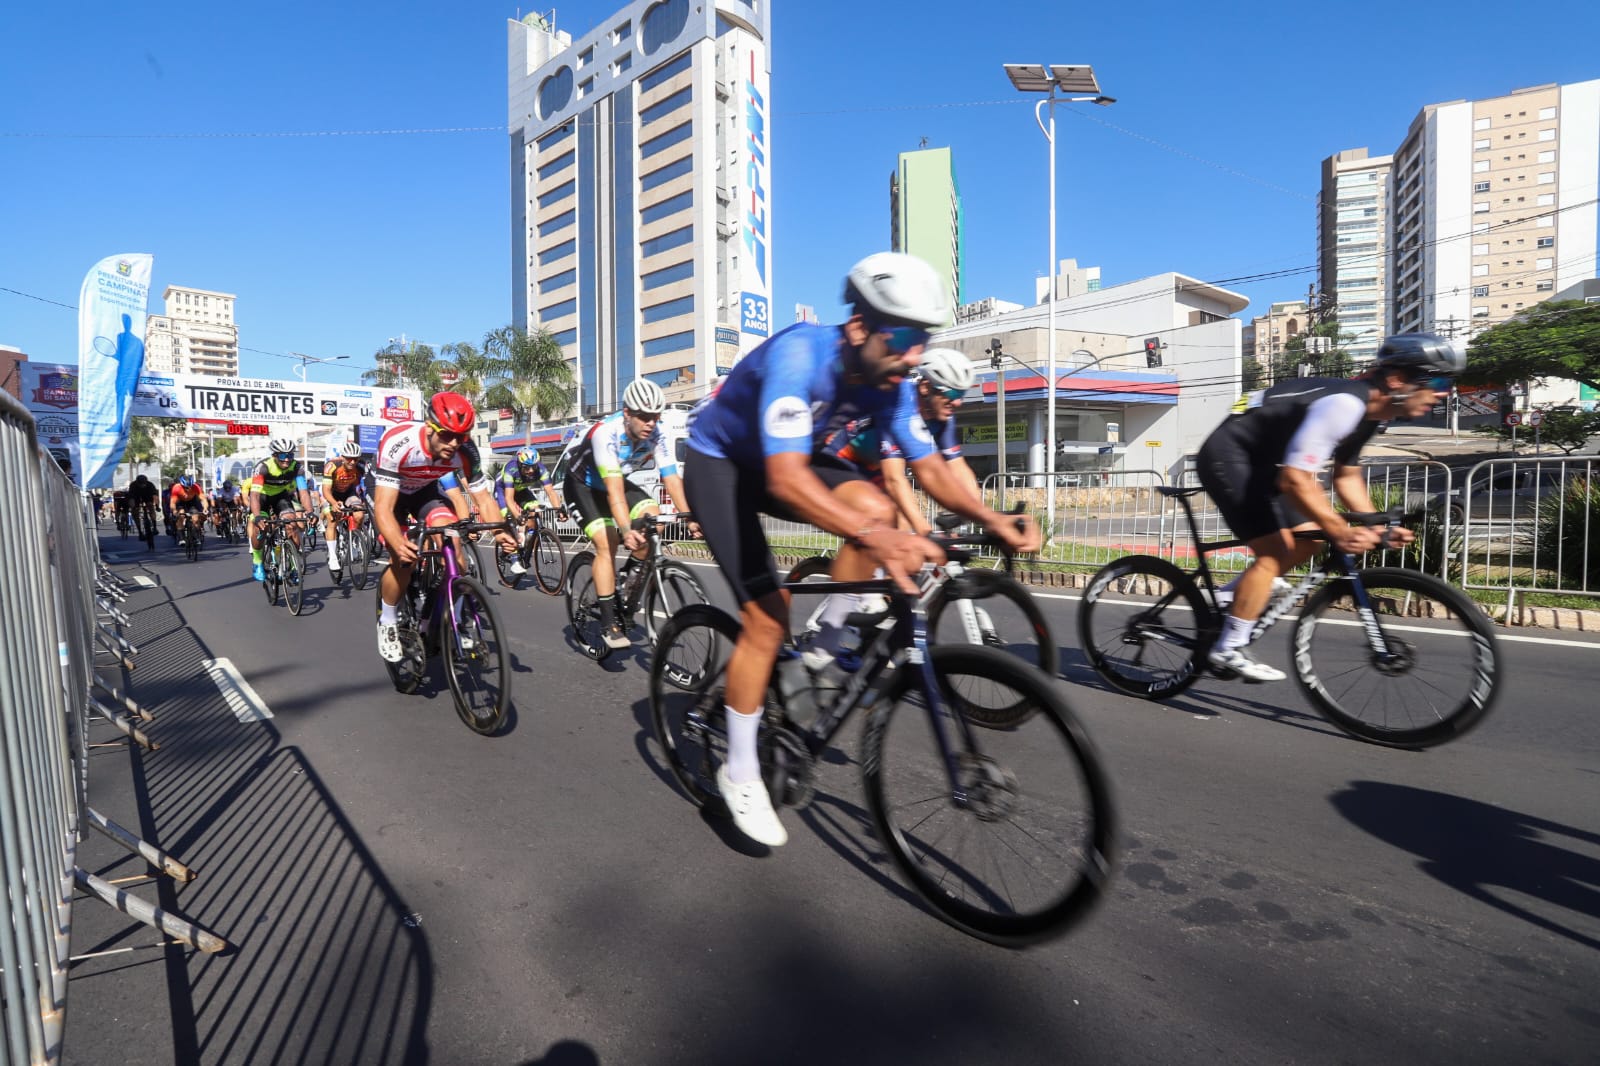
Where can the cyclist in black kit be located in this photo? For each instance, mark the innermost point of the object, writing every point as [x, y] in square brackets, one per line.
[1260, 468]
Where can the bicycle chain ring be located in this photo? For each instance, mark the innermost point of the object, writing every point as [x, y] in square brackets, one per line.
[992, 791]
[788, 768]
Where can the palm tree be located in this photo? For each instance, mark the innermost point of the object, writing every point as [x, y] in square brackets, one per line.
[413, 366]
[535, 374]
[473, 369]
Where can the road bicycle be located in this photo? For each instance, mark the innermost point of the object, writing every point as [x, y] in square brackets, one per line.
[145, 516]
[653, 589]
[978, 596]
[445, 612]
[1391, 656]
[541, 555]
[282, 562]
[124, 520]
[191, 536]
[353, 540]
[1007, 834]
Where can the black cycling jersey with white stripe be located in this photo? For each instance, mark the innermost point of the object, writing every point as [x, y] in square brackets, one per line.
[1302, 423]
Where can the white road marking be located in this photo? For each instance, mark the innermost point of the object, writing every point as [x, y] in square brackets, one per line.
[246, 705]
[1554, 642]
[143, 582]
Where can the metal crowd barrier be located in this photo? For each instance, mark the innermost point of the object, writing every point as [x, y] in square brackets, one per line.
[1530, 525]
[51, 595]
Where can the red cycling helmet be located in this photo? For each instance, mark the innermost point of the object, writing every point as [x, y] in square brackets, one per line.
[451, 411]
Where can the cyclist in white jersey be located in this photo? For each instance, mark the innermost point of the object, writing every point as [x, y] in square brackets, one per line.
[601, 499]
[412, 459]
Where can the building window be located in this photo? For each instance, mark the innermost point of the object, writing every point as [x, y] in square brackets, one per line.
[557, 252]
[566, 336]
[1545, 286]
[1480, 186]
[1480, 290]
[1480, 208]
[670, 206]
[558, 281]
[1480, 312]
[586, 57]
[675, 169]
[1543, 264]
[1480, 124]
[1547, 112]
[1546, 242]
[622, 33]
[1547, 135]
[561, 221]
[676, 239]
[1480, 249]
[667, 275]
[664, 72]
[677, 135]
[556, 195]
[672, 342]
[1481, 270]
[1547, 178]
[671, 309]
[662, 23]
[555, 136]
[1546, 199]
[667, 106]
[556, 166]
[1481, 144]
[1480, 167]
[558, 310]
[555, 92]
[1548, 156]
[622, 64]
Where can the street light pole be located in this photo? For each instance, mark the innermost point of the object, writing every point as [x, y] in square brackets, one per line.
[1037, 78]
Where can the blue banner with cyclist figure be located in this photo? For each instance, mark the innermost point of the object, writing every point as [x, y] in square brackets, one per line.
[111, 319]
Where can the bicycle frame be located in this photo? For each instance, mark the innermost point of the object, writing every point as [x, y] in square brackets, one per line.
[891, 649]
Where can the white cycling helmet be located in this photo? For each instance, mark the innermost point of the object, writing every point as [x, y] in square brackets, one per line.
[946, 368]
[645, 396]
[350, 450]
[280, 444]
[893, 288]
[189, 472]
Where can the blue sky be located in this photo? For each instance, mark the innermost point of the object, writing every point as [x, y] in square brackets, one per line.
[173, 128]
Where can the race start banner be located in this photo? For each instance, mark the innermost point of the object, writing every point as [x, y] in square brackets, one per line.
[111, 316]
[208, 399]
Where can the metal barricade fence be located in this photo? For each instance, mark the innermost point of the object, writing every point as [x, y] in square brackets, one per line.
[1529, 525]
[51, 592]
[1100, 515]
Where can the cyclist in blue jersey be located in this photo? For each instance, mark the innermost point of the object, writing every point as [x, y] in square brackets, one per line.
[761, 444]
[518, 480]
[601, 499]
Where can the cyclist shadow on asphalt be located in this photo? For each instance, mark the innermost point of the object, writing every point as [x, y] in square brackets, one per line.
[567, 1053]
[1476, 848]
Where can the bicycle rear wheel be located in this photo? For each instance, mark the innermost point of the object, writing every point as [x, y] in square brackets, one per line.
[803, 611]
[359, 561]
[1145, 627]
[671, 588]
[476, 661]
[686, 699]
[1440, 679]
[583, 607]
[504, 562]
[292, 567]
[548, 561]
[341, 542]
[1019, 847]
[408, 673]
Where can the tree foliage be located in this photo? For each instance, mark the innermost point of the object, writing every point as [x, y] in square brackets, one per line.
[406, 366]
[1567, 430]
[534, 375]
[1556, 339]
[1333, 362]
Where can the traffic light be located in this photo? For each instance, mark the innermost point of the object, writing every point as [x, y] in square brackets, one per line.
[1152, 351]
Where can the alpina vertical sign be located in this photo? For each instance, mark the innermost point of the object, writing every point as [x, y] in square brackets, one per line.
[111, 316]
[755, 318]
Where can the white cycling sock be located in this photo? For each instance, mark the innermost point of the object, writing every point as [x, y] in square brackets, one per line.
[743, 764]
[389, 615]
[333, 555]
[830, 621]
[1235, 633]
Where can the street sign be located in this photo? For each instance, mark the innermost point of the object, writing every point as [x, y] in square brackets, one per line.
[1513, 418]
[249, 429]
[1152, 444]
[1533, 418]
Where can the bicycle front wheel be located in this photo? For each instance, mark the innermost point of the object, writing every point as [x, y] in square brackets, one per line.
[407, 674]
[359, 562]
[548, 561]
[670, 590]
[990, 608]
[292, 567]
[476, 661]
[1018, 845]
[1145, 627]
[1437, 680]
[583, 607]
[270, 584]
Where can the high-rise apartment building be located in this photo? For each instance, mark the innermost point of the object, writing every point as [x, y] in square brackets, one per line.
[1493, 206]
[640, 192]
[1271, 333]
[196, 335]
[1352, 245]
[925, 214]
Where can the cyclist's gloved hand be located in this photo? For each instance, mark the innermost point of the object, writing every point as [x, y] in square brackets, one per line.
[633, 540]
[1354, 540]
[1021, 535]
[900, 554]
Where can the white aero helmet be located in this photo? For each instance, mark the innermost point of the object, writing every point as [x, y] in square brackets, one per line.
[893, 288]
[280, 444]
[644, 395]
[350, 450]
[946, 368]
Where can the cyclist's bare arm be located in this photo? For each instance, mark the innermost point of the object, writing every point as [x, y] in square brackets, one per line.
[1305, 492]
[943, 484]
[898, 487]
[401, 550]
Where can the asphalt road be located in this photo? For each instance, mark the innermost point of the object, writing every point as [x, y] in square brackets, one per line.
[401, 890]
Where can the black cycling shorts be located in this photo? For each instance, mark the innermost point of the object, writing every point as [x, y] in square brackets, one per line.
[728, 501]
[194, 506]
[587, 506]
[421, 504]
[280, 503]
[1245, 491]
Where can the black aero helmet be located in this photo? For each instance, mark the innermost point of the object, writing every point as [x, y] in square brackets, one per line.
[1422, 355]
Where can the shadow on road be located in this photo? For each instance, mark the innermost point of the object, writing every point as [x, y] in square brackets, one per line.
[1476, 849]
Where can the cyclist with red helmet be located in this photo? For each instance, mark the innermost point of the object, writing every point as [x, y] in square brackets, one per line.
[412, 459]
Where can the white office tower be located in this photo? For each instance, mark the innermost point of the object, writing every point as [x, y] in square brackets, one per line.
[640, 193]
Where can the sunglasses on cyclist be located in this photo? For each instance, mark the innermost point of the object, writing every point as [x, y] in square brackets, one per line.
[283, 457]
[446, 436]
[902, 339]
[951, 394]
[1437, 384]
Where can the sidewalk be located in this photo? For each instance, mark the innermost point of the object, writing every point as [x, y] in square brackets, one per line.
[1458, 452]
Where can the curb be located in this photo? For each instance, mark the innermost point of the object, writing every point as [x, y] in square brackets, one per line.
[1568, 619]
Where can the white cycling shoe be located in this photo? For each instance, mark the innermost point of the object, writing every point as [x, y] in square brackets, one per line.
[752, 811]
[389, 643]
[1238, 661]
